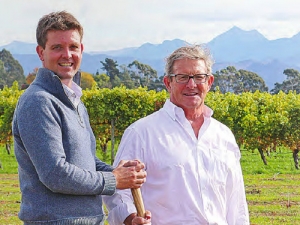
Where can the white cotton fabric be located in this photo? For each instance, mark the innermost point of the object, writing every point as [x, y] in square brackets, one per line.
[74, 93]
[194, 181]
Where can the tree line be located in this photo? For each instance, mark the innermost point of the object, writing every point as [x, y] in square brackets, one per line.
[137, 74]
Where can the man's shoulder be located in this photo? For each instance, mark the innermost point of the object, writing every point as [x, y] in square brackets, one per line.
[219, 127]
[34, 92]
[151, 120]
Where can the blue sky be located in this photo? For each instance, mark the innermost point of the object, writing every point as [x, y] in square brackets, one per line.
[116, 24]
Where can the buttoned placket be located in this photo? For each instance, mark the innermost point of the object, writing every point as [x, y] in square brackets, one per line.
[197, 153]
[71, 94]
[202, 175]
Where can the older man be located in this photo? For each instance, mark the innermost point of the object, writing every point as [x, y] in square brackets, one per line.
[192, 161]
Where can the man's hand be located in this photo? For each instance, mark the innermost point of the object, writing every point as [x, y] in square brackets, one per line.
[133, 219]
[130, 174]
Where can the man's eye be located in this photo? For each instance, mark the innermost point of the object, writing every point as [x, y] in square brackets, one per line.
[74, 47]
[183, 77]
[56, 47]
[199, 77]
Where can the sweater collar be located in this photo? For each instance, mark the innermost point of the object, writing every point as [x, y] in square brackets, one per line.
[49, 81]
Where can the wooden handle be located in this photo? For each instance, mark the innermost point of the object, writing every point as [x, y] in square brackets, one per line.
[138, 201]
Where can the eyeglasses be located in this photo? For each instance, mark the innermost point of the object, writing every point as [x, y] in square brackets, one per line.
[184, 78]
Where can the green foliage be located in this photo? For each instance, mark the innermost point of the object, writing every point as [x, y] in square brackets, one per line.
[238, 81]
[2, 73]
[126, 77]
[13, 71]
[111, 68]
[258, 120]
[102, 80]
[8, 101]
[291, 83]
[143, 73]
[135, 75]
[87, 80]
[117, 108]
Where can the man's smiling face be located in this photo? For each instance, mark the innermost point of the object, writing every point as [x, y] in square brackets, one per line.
[62, 53]
[189, 96]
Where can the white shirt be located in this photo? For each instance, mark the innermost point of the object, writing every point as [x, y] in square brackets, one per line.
[190, 181]
[73, 93]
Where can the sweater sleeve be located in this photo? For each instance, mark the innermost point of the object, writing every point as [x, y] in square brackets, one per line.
[109, 178]
[102, 166]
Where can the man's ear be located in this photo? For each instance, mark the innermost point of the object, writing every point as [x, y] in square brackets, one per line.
[39, 51]
[210, 81]
[167, 81]
[82, 47]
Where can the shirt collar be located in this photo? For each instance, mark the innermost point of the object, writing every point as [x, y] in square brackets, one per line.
[77, 89]
[175, 111]
[74, 93]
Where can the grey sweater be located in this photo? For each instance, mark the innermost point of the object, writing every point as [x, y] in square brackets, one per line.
[61, 179]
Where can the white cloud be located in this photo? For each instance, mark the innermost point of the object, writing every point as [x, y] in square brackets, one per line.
[117, 24]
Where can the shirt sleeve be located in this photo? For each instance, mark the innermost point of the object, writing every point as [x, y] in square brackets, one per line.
[121, 205]
[237, 206]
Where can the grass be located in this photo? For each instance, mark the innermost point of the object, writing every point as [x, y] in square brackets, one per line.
[273, 199]
[8, 163]
[279, 162]
[9, 199]
[273, 190]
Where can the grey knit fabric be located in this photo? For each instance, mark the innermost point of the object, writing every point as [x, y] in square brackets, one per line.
[61, 179]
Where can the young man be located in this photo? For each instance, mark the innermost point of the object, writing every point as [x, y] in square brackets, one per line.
[61, 179]
[192, 161]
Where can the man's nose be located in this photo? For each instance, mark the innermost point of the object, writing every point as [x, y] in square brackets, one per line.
[67, 53]
[191, 83]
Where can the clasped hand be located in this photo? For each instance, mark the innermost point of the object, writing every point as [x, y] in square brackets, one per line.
[130, 174]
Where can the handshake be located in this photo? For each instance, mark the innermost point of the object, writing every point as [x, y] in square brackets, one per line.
[131, 174]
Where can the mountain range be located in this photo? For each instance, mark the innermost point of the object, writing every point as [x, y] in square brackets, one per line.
[248, 50]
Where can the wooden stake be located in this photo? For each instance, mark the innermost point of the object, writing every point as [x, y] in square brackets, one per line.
[138, 201]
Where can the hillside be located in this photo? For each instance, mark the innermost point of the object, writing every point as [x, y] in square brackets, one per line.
[247, 50]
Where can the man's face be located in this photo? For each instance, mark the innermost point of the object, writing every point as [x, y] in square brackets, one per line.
[62, 54]
[189, 96]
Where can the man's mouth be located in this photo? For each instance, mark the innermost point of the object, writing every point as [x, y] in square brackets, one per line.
[66, 64]
[190, 94]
